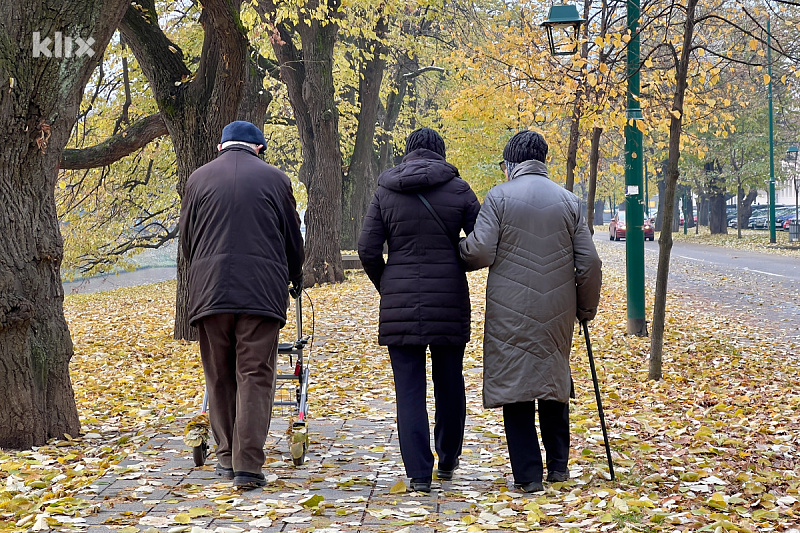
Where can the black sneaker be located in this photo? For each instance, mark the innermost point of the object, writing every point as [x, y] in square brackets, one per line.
[446, 474]
[224, 473]
[248, 480]
[555, 476]
[419, 484]
[533, 486]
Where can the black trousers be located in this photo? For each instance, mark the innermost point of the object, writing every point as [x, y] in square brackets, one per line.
[523, 444]
[408, 365]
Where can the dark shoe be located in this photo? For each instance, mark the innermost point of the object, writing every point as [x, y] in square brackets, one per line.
[419, 484]
[556, 476]
[533, 486]
[224, 473]
[446, 474]
[248, 480]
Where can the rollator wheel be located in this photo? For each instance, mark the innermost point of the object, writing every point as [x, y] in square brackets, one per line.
[298, 461]
[299, 443]
[199, 454]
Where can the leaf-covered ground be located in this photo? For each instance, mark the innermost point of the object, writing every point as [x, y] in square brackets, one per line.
[711, 447]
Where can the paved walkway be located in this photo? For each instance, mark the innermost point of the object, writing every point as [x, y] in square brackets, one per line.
[353, 465]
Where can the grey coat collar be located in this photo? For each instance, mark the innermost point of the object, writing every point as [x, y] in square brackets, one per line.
[531, 166]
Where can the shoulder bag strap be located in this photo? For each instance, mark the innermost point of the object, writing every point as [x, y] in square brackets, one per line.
[435, 216]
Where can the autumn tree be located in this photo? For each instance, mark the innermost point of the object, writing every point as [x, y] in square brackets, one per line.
[47, 54]
[700, 33]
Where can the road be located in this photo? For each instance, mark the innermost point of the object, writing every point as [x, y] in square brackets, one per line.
[760, 289]
[109, 282]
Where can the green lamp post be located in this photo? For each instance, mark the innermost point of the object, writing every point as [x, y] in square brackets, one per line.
[634, 239]
[563, 25]
[772, 235]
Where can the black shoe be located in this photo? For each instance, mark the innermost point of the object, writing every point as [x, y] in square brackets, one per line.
[446, 474]
[248, 480]
[555, 476]
[533, 486]
[419, 484]
[224, 473]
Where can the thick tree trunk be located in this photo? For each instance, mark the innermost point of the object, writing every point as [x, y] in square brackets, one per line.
[361, 178]
[324, 214]
[195, 112]
[717, 219]
[308, 75]
[665, 240]
[39, 99]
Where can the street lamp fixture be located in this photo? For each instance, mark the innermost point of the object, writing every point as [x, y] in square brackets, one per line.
[563, 26]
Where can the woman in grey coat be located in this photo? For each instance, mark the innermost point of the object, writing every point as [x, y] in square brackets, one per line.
[544, 272]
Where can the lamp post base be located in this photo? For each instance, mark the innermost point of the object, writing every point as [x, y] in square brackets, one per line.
[637, 326]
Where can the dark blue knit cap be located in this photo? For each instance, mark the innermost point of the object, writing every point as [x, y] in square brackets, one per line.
[243, 131]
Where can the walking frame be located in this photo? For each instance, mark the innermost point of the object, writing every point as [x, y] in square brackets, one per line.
[290, 394]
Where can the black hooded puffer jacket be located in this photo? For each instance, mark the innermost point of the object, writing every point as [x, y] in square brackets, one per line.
[423, 287]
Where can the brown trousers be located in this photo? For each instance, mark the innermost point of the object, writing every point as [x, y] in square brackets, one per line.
[239, 353]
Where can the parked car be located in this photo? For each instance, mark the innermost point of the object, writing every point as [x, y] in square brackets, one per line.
[617, 227]
[762, 220]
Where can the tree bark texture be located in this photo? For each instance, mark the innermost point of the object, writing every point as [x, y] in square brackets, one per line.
[308, 75]
[39, 99]
[360, 181]
[195, 109]
[665, 239]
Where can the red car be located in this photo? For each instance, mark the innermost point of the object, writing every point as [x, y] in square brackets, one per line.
[617, 227]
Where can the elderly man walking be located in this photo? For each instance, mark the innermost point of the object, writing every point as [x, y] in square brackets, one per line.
[544, 272]
[240, 231]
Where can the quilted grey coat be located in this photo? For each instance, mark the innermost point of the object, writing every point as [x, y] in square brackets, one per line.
[544, 272]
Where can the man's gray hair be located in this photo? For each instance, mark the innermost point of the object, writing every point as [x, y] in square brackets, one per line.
[252, 146]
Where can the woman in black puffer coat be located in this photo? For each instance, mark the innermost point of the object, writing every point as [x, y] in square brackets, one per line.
[424, 296]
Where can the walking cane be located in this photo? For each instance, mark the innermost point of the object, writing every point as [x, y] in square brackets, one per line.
[585, 324]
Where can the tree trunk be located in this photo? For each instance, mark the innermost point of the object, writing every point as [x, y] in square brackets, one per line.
[592, 217]
[577, 112]
[718, 219]
[195, 112]
[717, 213]
[324, 215]
[361, 178]
[394, 104]
[308, 75]
[745, 207]
[665, 240]
[255, 98]
[39, 99]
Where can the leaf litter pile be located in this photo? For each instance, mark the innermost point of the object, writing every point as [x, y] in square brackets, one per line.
[711, 447]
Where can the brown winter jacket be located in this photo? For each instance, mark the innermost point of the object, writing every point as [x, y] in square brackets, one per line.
[240, 231]
[544, 272]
